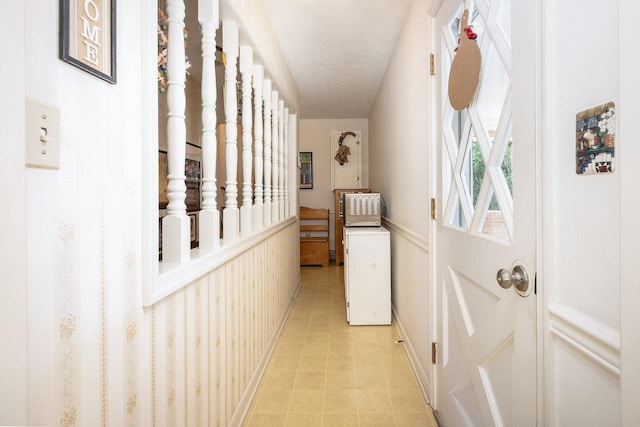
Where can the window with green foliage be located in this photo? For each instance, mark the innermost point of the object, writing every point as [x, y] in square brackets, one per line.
[478, 173]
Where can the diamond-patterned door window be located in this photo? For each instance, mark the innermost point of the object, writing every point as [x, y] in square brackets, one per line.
[477, 141]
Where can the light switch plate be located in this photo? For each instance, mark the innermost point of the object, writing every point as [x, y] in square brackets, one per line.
[42, 135]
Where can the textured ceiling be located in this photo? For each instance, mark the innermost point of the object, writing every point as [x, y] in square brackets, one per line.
[337, 51]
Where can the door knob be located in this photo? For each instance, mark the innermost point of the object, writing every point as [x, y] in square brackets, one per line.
[517, 277]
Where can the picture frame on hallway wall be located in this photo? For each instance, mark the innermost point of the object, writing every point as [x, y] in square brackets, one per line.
[306, 169]
[88, 36]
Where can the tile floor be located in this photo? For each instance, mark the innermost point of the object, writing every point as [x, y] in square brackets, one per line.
[324, 372]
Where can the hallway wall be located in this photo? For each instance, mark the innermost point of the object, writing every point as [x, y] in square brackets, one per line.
[78, 346]
[399, 162]
[13, 247]
[315, 136]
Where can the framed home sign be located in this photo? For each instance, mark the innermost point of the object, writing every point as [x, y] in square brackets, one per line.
[88, 36]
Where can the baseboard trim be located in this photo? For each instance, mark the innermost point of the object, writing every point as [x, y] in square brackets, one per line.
[423, 380]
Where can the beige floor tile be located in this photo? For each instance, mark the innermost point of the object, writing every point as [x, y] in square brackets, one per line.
[341, 379]
[305, 302]
[340, 327]
[374, 400]
[321, 315]
[288, 349]
[340, 419]
[407, 400]
[300, 315]
[377, 420]
[370, 379]
[273, 401]
[340, 363]
[278, 380]
[341, 337]
[307, 401]
[293, 334]
[423, 419]
[325, 290]
[366, 349]
[315, 349]
[326, 372]
[292, 327]
[396, 365]
[364, 334]
[400, 379]
[265, 420]
[304, 419]
[368, 363]
[319, 327]
[394, 356]
[321, 337]
[338, 314]
[343, 349]
[312, 363]
[284, 363]
[311, 380]
[340, 400]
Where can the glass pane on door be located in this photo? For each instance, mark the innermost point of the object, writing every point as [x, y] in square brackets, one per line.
[478, 139]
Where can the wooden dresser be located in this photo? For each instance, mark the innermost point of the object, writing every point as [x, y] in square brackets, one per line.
[337, 194]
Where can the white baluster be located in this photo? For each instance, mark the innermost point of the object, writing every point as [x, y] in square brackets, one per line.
[231, 212]
[258, 77]
[281, 159]
[267, 151]
[175, 226]
[246, 69]
[209, 216]
[274, 156]
[286, 163]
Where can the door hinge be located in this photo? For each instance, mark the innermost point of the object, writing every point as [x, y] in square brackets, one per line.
[432, 64]
[347, 304]
[434, 352]
[433, 208]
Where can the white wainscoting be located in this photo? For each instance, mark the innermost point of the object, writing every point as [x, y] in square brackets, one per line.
[408, 284]
[211, 340]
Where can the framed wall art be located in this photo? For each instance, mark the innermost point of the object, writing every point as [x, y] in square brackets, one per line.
[88, 36]
[306, 169]
[595, 140]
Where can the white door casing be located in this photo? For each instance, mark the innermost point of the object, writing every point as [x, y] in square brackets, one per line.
[487, 366]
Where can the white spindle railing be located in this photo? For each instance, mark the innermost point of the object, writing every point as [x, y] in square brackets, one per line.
[267, 151]
[281, 159]
[246, 70]
[258, 77]
[209, 216]
[286, 163]
[175, 224]
[265, 139]
[230, 50]
[274, 156]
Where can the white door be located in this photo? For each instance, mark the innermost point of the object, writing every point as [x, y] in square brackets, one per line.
[486, 369]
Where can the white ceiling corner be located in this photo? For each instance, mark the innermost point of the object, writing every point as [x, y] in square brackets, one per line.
[337, 51]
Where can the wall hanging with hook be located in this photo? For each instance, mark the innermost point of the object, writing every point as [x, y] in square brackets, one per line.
[342, 155]
[464, 76]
